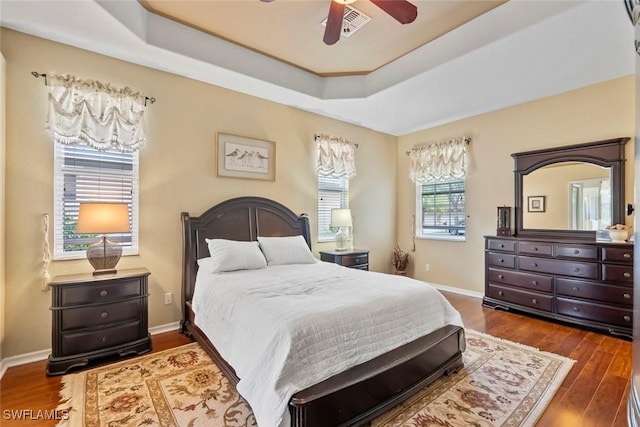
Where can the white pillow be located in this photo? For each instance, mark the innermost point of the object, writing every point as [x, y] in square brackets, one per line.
[286, 250]
[231, 255]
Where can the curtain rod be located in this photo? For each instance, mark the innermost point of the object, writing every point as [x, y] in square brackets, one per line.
[316, 136]
[36, 74]
[467, 141]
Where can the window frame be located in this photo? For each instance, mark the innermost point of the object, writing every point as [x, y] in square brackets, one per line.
[59, 172]
[343, 190]
[419, 228]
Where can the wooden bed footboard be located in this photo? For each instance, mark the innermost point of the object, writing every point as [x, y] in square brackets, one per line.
[360, 394]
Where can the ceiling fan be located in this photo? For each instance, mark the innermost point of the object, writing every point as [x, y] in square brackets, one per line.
[401, 10]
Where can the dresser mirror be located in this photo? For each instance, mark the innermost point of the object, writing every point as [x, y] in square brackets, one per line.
[571, 191]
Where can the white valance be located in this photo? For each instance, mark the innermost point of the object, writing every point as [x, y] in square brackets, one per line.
[436, 162]
[87, 111]
[336, 157]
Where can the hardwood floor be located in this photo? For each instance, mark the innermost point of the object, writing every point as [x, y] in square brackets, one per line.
[593, 394]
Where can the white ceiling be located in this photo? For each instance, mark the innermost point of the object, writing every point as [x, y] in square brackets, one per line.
[517, 52]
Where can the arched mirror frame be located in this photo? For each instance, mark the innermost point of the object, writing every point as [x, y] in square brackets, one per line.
[606, 153]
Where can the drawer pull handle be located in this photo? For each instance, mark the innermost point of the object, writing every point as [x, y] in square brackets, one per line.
[535, 301]
[104, 339]
[501, 245]
[103, 293]
[535, 249]
[577, 289]
[534, 282]
[627, 255]
[627, 318]
[576, 252]
[627, 296]
[104, 314]
[500, 276]
[533, 264]
[501, 260]
[627, 274]
[576, 309]
[500, 293]
[576, 270]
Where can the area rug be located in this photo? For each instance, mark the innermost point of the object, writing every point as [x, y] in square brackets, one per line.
[502, 383]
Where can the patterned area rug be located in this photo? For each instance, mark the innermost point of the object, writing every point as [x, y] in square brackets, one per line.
[502, 383]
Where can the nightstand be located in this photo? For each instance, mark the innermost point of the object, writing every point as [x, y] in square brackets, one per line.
[97, 316]
[354, 258]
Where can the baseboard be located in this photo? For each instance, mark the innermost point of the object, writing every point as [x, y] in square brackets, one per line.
[474, 294]
[36, 356]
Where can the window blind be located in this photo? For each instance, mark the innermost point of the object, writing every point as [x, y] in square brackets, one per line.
[84, 174]
[441, 208]
[333, 193]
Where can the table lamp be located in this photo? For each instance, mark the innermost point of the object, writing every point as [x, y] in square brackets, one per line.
[341, 218]
[103, 218]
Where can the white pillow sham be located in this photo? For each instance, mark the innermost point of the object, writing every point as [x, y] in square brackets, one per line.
[232, 255]
[286, 250]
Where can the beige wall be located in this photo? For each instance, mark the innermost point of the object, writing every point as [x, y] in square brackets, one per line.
[177, 173]
[2, 198]
[594, 113]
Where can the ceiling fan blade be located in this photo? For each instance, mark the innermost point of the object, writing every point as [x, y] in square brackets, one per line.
[334, 23]
[401, 10]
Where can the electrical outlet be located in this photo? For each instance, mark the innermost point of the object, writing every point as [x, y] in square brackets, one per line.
[168, 298]
[427, 267]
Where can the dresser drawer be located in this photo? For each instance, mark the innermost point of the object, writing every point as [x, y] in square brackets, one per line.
[576, 251]
[84, 342]
[617, 254]
[99, 315]
[536, 282]
[535, 248]
[501, 260]
[585, 270]
[595, 312]
[501, 245]
[353, 260]
[521, 297]
[594, 291]
[99, 292]
[617, 273]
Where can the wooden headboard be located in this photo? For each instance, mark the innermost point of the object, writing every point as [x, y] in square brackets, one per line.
[242, 218]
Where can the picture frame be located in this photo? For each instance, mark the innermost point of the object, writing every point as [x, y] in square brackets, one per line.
[244, 157]
[536, 203]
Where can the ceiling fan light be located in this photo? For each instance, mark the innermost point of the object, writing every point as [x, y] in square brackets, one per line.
[345, 1]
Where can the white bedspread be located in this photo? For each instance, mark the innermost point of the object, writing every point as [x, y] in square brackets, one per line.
[285, 328]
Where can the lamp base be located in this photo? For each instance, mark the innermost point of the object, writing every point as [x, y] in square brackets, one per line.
[343, 239]
[104, 255]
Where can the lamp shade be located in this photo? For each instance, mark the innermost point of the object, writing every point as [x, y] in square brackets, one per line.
[103, 218]
[341, 218]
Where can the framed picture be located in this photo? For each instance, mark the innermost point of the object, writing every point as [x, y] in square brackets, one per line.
[242, 157]
[536, 203]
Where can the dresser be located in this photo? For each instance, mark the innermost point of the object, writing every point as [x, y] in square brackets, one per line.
[586, 283]
[98, 316]
[354, 258]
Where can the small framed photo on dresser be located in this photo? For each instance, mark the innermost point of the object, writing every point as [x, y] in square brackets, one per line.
[535, 203]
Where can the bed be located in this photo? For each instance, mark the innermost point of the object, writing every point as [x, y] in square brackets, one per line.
[353, 396]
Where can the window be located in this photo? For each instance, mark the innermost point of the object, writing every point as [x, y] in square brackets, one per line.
[84, 174]
[441, 209]
[333, 193]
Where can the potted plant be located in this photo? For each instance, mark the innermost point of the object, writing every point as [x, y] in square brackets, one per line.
[400, 260]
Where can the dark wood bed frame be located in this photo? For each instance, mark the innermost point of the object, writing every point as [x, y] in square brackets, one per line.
[353, 397]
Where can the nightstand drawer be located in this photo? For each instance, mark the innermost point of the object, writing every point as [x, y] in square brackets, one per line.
[85, 317]
[352, 260]
[99, 292]
[83, 342]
